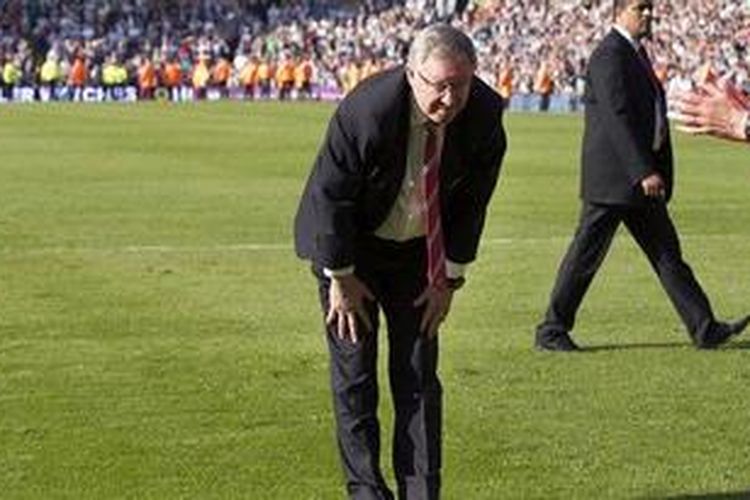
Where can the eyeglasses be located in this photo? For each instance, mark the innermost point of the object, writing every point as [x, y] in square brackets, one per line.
[442, 87]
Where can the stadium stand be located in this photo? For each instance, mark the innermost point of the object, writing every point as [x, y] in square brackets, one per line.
[97, 49]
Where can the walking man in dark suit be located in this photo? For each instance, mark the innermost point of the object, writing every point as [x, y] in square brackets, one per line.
[390, 217]
[627, 177]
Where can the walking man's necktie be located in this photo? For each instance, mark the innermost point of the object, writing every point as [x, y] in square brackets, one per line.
[435, 247]
[646, 61]
[661, 105]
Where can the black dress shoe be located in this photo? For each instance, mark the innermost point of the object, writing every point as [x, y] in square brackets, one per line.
[722, 332]
[558, 341]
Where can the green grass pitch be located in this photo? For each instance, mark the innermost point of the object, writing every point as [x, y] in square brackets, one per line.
[159, 339]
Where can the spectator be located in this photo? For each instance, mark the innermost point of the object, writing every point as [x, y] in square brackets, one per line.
[172, 76]
[147, 80]
[504, 83]
[249, 77]
[201, 77]
[11, 76]
[220, 76]
[78, 76]
[285, 77]
[49, 76]
[265, 78]
[303, 75]
[544, 85]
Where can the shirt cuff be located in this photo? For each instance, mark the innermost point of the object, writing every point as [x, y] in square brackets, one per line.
[335, 273]
[455, 270]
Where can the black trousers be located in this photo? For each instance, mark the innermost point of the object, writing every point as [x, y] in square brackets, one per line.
[654, 232]
[395, 273]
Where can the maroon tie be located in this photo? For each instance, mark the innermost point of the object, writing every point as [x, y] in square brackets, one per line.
[658, 92]
[435, 247]
[646, 61]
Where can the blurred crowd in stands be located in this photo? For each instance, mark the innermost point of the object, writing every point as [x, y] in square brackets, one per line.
[532, 51]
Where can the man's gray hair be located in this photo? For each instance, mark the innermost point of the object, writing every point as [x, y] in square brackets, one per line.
[441, 40]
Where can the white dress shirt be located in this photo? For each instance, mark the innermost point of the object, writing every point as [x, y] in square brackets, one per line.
[407, 217]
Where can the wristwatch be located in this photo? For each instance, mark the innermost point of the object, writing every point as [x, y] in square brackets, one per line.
[454, 284]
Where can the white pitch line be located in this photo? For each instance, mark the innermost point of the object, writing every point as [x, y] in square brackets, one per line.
[238, 247]
[287, 247]
[234, 247]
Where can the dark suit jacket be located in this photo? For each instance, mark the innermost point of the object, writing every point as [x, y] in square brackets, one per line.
[361, 164]
[619, 127]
